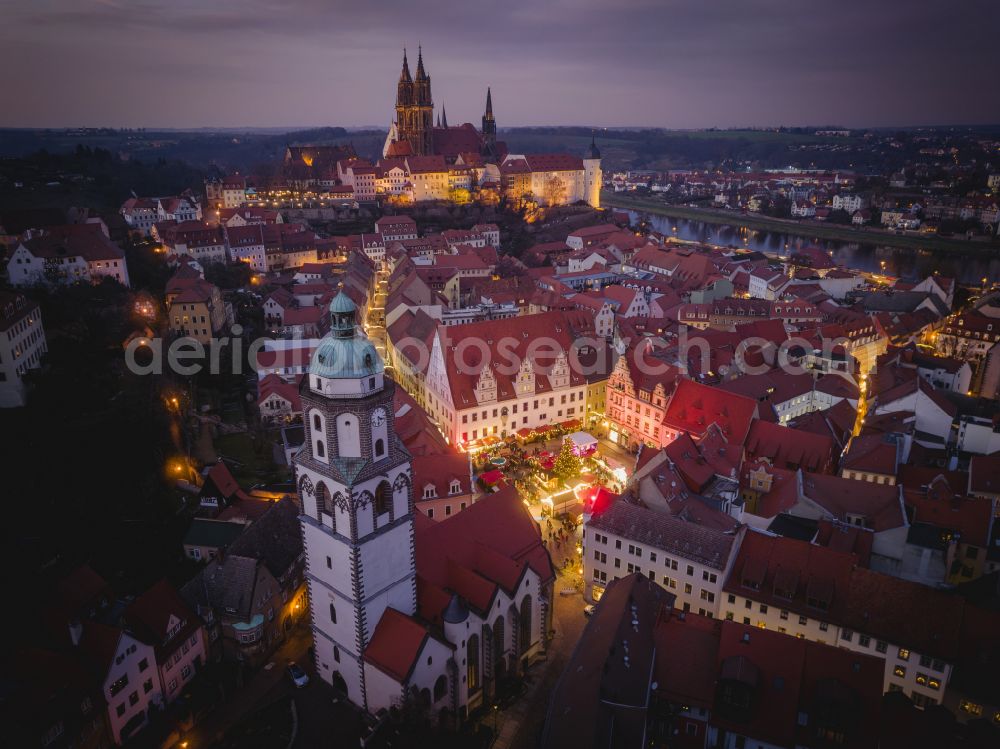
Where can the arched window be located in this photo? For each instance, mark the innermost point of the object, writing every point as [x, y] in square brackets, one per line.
[322, 498]
[524, 623]
[499, 640]
[472, 664]
[317, 422]
[383, 498]
[348, 436]
[333, 613]
[379, 447]
[440, 687]
[320, 449]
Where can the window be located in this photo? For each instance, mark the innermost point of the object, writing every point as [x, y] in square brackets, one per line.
[784, 614]
[143, 664]
[147, 686]
[379, 447]
[823, 626]
[899, 670]
[763, 608]
[904, 654]
[731, 598]
[864, 641]
[120, 710]
[881, 646]
[118, 685]
[383, 498]
[846, 635]
[333, 613]
[133, 699]
[329, 563]
[972, 708]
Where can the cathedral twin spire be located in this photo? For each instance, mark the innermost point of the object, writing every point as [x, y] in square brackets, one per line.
[415, 110]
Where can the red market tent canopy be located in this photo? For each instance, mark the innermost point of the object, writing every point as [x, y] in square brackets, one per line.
[491, 477]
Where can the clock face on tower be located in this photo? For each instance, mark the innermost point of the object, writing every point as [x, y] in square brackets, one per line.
[378, 418]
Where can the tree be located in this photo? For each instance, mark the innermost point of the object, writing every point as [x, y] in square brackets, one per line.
[567, 465]
[554, 191]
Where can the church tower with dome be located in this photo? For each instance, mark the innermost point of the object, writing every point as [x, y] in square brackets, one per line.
[354, 482]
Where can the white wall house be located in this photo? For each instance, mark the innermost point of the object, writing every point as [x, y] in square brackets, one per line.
[22, 345]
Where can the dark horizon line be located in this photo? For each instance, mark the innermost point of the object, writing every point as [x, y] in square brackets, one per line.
[595, 128]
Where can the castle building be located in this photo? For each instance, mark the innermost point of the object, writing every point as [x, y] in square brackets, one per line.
[405, 608]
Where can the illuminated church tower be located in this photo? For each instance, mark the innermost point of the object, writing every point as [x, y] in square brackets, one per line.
[415, 108]
[489, 127]
[354, 484]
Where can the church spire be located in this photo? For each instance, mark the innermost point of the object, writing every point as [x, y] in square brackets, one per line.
[489, 127]
[420, 64]
[405, 74]
[444, 117]
[439, 120]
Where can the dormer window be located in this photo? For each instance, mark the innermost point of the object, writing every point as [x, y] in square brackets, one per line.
[456, 487]
[430, 491]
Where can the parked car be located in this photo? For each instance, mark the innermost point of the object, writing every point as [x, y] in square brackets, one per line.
[299, 677]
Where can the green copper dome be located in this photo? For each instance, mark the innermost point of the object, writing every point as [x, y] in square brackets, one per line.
[342, 304]
[344, 352]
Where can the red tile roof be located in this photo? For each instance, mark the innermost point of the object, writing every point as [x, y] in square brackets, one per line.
[440, 471]
[872, 453]
[507, 340]
[489, 544]
[693, 407]
[553, 162]
[936, 503]
[150, 614]
[788, 448]
[395, 644]
[792, 677]
[848, 539]
[272, 384]
[795, 575]
[878, 504]
[84, 240]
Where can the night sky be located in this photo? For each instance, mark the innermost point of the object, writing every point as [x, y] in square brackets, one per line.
[663, 63]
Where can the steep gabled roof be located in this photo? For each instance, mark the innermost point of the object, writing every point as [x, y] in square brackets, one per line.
[788, 448]
[395, 644]
[693, 407]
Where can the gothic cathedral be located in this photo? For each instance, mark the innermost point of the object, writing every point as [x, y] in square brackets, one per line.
[415, 108]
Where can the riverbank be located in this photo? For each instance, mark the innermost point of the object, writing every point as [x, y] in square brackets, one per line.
[835, 232]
